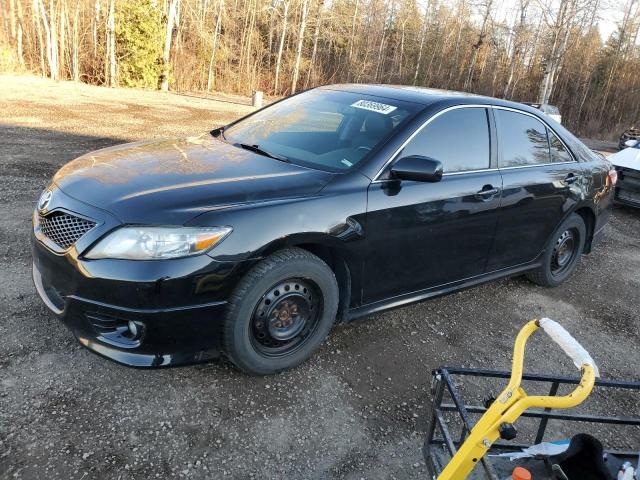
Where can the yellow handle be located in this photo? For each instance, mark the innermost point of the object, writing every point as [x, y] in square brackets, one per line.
[576, 397]
[508, 407]
[579, 394]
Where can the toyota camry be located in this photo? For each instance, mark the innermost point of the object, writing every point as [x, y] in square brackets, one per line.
[253, 240]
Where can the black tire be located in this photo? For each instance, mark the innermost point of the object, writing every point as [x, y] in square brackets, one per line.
[290, 291]
[562, 253]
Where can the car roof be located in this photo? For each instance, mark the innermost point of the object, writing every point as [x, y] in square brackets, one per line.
[426, 96]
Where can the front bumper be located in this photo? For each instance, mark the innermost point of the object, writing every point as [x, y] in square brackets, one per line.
[177, 306]
[628, 187]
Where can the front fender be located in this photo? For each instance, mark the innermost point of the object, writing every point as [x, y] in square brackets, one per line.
[335, 217]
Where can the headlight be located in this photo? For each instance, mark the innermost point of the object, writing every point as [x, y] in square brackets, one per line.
[157, 243]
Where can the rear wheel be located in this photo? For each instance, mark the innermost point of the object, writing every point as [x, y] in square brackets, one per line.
[562, 254]
[280, 312]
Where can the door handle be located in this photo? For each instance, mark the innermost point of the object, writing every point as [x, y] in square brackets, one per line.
[571, 178]
[487, 191]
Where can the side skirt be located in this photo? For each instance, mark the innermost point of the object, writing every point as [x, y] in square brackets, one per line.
[420, 295]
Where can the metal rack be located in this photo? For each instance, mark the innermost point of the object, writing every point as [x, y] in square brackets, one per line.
[440, 444]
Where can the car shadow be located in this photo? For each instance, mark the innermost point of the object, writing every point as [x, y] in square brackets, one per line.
[28, 153]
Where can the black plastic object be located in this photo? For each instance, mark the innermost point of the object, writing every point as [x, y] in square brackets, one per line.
[507, 431]
[417, 168]
[585, 460]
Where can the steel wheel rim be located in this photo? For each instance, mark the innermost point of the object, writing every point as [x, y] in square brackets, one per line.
[564, 252]
[285, 317]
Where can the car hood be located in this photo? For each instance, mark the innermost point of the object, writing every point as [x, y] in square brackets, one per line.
[171, 181]
[627, 158]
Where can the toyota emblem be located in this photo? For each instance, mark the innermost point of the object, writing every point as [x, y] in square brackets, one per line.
[44, 200]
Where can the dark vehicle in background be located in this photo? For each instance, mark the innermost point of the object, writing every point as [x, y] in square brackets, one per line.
[332, 204]
[550, 110]
[632, 133]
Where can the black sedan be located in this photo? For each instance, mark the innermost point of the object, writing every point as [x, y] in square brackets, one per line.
[632, 133]
[254, 239]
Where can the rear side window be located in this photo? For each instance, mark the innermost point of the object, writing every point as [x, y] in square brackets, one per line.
[458, 138]
[559, 152]
[522, 139]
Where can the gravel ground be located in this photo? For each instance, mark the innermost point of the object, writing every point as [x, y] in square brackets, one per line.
[356, 410]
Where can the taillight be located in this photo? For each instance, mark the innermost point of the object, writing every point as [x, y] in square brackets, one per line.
[612, 177]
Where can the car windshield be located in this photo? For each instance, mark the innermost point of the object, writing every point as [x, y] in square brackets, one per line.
[324, 129]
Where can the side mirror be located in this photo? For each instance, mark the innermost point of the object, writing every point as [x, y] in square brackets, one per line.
[417, 168]
[631, 143]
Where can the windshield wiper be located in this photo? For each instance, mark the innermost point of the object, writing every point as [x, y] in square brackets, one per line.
[260, 151]
[218, 132]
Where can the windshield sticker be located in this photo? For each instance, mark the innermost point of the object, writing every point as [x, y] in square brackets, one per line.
[346, 162]
[374, 106]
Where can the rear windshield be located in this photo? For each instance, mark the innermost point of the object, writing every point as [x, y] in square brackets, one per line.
[325, 129]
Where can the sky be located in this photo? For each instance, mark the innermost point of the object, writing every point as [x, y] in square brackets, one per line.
[609, 15]
[608, 25]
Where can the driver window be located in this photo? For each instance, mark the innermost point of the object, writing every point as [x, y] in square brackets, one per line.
[458, 138]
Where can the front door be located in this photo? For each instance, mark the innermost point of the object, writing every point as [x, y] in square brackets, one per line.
[422, 235]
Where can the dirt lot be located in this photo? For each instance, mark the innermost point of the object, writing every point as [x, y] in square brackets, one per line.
[356, 410]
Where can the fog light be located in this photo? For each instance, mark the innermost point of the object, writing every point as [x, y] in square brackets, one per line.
[134, 330]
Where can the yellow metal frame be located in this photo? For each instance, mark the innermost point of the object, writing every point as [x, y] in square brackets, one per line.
[509, 405]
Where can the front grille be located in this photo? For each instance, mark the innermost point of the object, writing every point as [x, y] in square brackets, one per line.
[64, 229]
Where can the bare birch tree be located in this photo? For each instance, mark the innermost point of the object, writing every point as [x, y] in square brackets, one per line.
[49, 34]
[35, 18]
[96, 21]
[20, 29]
[301, 29]
[316, 37]
[214, 47]
[476, 47]
[352, 39]
[516, 52]
[285, 15]
[75, 42]
[560, 31]
[166, 55]
[423, 36]
[110, 60]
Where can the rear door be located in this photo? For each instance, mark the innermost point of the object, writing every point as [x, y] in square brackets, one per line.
[422, 235]
[541, 182]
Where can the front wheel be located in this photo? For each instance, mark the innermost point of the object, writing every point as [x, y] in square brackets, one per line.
[562, 253]
[280, 312]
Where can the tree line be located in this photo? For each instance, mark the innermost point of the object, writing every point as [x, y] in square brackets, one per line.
[549, 51]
